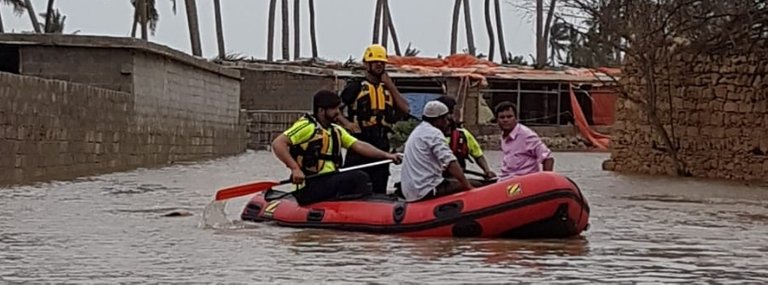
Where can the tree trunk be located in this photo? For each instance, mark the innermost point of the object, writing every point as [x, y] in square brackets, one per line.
[547, 26]
[32, 15]
[500, 32]
[135, 20]
[296, 30]
[143, 18]
[271, 30]
[541, 48]
[391, 25]
[219, 28]
[194, 28]
[489, 27]
[286, 31]
[312, 34]
[376, 21]
[384, 24]
[2, 29]
[48, 16]
[455, 25]
[468, 24]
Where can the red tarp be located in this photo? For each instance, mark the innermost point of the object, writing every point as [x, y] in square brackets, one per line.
[599, 140]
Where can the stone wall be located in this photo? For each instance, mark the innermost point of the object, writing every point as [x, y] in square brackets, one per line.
[51, 129]
[714, 108]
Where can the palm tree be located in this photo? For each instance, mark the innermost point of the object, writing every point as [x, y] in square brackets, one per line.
[489, 27]
[541, 44]
[271, 29]
[286, 48]
[151, 14]
[55, 22]
[376, 21]
[559, 34]
[194, 27]
[455, 25]
[411, 51]
[296, 30]
[392, 30]
[48, 14]
[18, 9]
[312, 34]
[384, 24]
[32, 15]
[468, 24]
[219, 28]
[500, 31]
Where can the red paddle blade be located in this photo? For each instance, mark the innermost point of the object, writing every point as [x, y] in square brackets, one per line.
[245, 189]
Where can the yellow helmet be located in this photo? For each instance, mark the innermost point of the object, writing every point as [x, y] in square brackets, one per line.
[375, 52]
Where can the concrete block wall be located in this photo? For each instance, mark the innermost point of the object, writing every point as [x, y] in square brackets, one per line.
[190, 110]
[51, 129]
[108, 68]
[281, 90]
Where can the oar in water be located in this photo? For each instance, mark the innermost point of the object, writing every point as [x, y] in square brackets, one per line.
[260, 186]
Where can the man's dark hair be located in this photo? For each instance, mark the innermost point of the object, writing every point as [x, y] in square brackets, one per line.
[449, 102]
[504, 106]
[325, 99]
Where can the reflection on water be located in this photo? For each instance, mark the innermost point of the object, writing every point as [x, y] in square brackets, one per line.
[145, 226]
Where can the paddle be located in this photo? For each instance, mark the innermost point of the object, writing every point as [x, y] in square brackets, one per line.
[260, 186]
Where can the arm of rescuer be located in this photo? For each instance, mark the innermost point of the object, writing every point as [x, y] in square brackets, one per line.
[348, 96]
[364, 148]
[399, 101]
[281, 148]
[477, 153]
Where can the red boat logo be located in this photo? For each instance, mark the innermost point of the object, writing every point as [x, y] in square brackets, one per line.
[514, 189]
[270, 209]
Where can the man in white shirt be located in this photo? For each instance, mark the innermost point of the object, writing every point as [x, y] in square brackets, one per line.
[427, 156]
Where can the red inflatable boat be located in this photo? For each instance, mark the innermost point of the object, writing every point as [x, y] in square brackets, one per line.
[541, 205]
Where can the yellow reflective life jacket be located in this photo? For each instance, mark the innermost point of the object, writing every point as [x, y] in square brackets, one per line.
[312, 154]
[373, 106]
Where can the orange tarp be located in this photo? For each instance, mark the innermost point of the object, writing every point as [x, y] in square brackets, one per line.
[599, 140]
[476, 68]
[603, 105]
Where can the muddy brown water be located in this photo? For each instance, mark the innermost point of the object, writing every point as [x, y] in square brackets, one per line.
[113, 229]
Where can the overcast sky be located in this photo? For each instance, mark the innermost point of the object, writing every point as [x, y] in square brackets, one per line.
[344, 27]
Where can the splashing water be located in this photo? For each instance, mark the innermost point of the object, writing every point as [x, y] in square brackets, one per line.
[215, 216]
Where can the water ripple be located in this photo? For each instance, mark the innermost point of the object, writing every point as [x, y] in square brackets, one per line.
[112, 229]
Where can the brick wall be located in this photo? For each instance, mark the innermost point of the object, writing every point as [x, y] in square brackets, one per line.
[718, 117]
[281, 90]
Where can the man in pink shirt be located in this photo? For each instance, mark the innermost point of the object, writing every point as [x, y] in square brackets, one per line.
[523, 150]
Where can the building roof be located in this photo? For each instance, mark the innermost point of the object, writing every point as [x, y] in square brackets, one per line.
[458, 65]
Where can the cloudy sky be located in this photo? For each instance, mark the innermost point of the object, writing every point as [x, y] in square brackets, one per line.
[343, 26]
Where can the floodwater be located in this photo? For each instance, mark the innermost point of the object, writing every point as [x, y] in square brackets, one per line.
[112, 229]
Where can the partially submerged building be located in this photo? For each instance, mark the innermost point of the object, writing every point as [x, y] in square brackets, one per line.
[276, 94]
